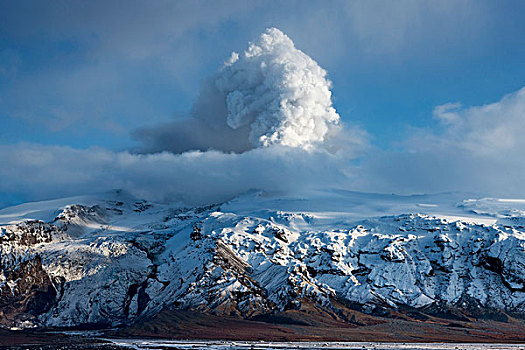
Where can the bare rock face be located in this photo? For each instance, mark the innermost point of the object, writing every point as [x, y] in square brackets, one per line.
[116, 262]
[27, 290]
[28, 233]
[28, 293]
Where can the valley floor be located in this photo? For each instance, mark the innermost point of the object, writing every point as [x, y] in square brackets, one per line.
[182, 330]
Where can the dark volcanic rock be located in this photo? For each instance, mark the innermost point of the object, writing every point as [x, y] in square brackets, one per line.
[29, 292]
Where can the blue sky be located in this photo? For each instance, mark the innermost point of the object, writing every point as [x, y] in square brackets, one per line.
[87, 74]
[84, 74]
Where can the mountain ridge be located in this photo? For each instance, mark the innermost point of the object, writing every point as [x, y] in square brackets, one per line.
[119, 261]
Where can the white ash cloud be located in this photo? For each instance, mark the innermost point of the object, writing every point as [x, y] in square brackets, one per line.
[271, 94]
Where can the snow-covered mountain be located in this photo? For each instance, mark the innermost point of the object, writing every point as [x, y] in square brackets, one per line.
[114, 260]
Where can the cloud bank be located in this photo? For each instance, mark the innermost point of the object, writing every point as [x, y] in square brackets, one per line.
[265, 121]
[36, 172]
[271, 94]
[480, 149]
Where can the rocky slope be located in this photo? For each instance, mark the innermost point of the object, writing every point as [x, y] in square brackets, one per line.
[116, 260]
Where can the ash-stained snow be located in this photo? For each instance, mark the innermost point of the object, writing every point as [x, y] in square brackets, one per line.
[115, 259]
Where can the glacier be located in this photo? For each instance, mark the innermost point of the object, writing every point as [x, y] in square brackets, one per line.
[112, 260]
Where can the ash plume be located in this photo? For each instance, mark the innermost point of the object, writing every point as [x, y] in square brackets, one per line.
[271, 94]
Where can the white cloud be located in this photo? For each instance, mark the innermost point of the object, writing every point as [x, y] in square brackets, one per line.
[448, 112]
[270, 94]
[481, 150]
[471, 155]
[272, 105]
[36, 172]
[97, 67]
[491, 129]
